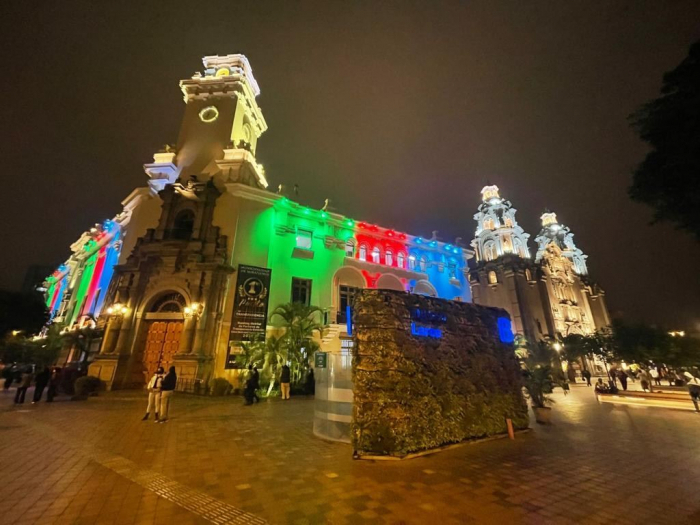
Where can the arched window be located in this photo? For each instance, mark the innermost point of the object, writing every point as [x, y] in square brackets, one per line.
[363, 252]
[183, 225]
[411, 262]
[490, 252]
[389, 258]
[489, 224]
[400, 260]
[493, 278]
[423, 263]
[376, 255]
[452, 268]
[508, 222]
[507, 246]
[349, 249]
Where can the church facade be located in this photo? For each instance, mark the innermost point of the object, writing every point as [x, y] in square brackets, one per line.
[548, 296]
[204, 250]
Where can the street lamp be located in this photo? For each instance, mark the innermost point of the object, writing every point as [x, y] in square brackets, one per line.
[194, 310]
[118, 310]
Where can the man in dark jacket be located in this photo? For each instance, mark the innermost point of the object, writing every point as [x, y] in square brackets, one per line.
[587, 376]
[167, 388]
[256, 384]
[42, 379]
[285, 378]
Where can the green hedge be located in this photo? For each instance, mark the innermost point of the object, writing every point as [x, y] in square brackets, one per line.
[416, 393]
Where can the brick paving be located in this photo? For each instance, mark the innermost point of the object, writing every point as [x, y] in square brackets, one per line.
[217, 461]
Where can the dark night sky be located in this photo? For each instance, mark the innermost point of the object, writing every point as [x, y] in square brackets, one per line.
[398, 111]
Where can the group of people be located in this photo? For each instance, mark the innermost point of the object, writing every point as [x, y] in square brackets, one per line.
[24, 376]
[252, 384]
[160, 390]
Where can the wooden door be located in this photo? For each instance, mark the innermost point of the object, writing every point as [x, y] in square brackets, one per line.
[162, 343]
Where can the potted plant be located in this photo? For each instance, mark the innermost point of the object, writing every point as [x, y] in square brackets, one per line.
[538, 382]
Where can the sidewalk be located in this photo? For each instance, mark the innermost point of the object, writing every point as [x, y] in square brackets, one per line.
[217, 461]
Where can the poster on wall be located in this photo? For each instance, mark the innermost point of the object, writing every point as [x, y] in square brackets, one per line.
[249, 308]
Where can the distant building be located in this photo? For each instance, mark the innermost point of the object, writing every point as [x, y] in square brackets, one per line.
[550, 296]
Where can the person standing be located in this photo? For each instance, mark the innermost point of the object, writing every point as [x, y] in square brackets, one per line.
[24, 383]
[310, 383]
[42, 379]
[166, 392]
[587, 377]
[54, 380]
[154, 393]
[255, 385]
[285, 378]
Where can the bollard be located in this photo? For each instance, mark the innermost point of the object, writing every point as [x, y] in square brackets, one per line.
[511, 432]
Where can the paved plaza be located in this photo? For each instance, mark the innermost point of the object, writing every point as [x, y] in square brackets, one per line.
[217, 461]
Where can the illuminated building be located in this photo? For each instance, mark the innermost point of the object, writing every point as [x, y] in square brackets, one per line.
[206, 215]
[551, 296]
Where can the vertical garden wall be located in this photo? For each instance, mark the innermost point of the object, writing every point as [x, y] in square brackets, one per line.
[429, 372]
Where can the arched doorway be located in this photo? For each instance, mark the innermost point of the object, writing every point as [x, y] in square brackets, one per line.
[424, 287]
[164, 326]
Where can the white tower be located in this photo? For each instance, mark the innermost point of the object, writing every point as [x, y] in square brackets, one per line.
[497, 231]
[561, 236]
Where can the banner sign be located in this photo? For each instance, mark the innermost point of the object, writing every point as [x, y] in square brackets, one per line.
[249, 308]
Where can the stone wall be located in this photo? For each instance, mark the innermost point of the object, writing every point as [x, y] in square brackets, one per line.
[415, 391]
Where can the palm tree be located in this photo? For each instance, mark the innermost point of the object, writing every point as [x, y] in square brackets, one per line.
[300, 323]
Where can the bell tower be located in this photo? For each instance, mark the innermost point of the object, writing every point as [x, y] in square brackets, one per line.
[220, 128]
[497, 231]
[553, 232]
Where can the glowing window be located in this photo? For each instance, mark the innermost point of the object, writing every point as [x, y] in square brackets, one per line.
[389, 258]
[490, 252]
[363, 252]
[400, 260]
[349, 249]
[412, 262]
[423, 263]
[508, 222]
[489, 224]
[303, 239]
[493, 278]
[376, 255]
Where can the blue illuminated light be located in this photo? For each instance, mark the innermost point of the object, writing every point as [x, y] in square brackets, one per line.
[425, 331]
[348, 319]
[505, 331]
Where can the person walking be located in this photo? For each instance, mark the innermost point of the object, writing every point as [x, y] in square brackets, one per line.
[622, 375]
[154, 393]
[42, 379]
[644, 379]
[654, 372]
[587, 377]
[285, 377]
[9, 374]
[54, 380]
[24, 383]
[166, 392]
[693, 389]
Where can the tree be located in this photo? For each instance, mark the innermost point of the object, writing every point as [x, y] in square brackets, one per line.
[641, 343]
[668, 178]
[300, 324]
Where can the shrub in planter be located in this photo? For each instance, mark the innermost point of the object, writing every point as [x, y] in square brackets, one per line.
[220, 387]
[87, 386]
